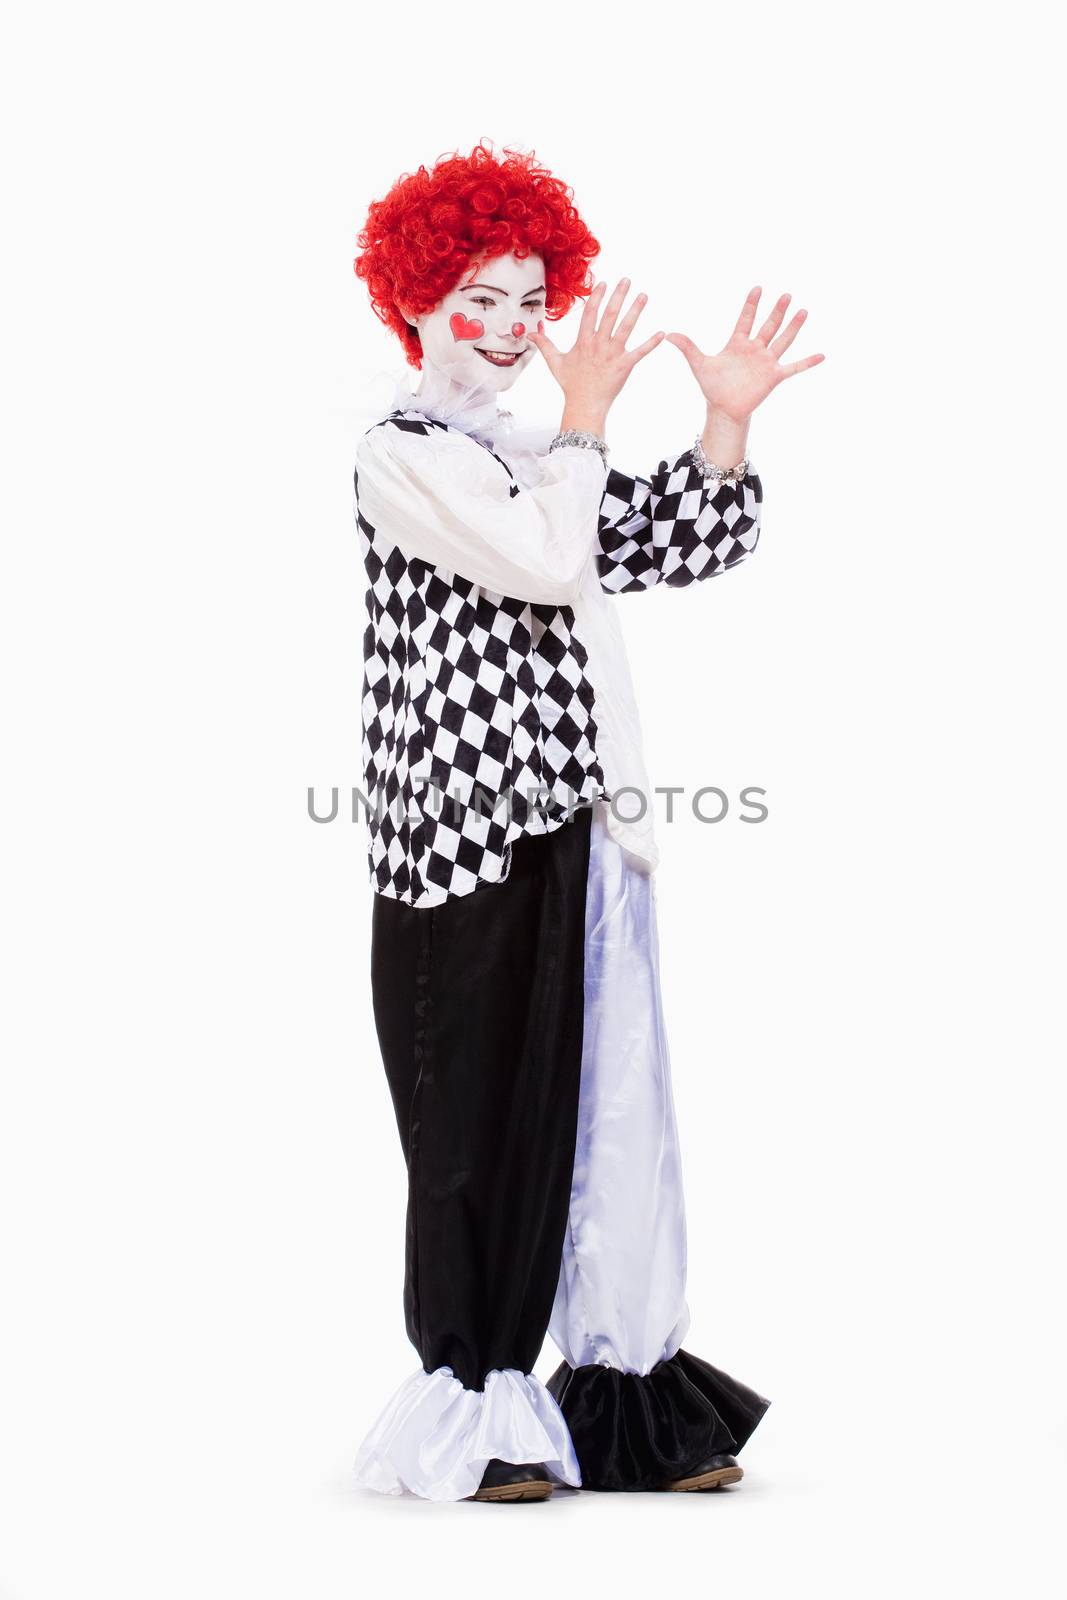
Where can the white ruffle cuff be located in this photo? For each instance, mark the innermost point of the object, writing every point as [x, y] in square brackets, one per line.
[435, 1437]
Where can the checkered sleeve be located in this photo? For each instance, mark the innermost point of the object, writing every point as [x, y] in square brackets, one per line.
[675, 527]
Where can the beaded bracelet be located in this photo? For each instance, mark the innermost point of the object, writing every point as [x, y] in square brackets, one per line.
[723, 474]
[587, 441]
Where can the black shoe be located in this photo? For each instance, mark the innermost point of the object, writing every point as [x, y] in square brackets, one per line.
[508, 1480]
[714, 1473]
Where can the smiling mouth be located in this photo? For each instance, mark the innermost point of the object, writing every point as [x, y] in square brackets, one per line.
[500, 358]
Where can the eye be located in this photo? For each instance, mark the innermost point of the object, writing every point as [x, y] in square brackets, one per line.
[482, 300]
[531, 305]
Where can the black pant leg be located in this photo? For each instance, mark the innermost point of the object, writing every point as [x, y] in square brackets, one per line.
[479, 1007]
[400, 946]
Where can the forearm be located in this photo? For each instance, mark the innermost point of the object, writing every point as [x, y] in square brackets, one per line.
[724, 440]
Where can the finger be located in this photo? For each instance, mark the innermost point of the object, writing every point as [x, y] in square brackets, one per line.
[613, 307]
[641, 350]
[794, 367]
[774, 321]
[786, 337]
[587, 326]
[692, 352]
[540, 340]
[744, 322]
[539, 337]
[626, 326]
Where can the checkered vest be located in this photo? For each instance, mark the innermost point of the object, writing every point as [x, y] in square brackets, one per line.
[479, 722]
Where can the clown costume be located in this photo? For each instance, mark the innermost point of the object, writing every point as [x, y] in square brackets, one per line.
[514, 953]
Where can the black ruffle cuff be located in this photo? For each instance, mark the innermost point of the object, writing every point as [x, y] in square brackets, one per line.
[634, 1431]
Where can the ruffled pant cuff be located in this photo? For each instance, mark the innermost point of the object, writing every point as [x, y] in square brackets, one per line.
[638, 1431]
[435, 1437]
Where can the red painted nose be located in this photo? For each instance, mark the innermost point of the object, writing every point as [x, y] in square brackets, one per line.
[518, 329]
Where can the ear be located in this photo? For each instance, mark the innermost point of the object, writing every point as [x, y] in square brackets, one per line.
[409, 316]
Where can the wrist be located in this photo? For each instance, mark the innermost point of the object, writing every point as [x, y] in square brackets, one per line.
[712, 472]
[585, 418]
[581, 439]
[725, 438]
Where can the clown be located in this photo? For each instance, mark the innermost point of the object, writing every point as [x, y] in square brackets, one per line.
[515, 975]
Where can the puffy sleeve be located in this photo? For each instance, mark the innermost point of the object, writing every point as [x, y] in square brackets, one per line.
[443, 498]
[675, 527]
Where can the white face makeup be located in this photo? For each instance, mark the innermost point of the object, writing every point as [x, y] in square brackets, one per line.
[478, 333]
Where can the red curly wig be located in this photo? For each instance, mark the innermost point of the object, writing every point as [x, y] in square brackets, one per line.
[418, 242]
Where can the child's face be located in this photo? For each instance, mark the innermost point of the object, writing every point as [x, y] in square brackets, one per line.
[478, 332]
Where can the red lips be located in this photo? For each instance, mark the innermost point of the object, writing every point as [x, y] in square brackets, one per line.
[462, 329]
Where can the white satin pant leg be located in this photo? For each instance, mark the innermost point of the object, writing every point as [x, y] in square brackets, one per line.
[621, 1300]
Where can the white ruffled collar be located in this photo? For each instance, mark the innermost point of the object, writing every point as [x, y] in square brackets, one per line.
[473, 408]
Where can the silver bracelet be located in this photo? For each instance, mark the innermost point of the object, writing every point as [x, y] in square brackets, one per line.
[587, 441]
[722, 474]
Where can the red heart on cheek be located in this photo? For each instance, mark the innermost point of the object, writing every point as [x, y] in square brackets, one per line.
[462, 329]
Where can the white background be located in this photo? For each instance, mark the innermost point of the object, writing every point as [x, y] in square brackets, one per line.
[201, 1184]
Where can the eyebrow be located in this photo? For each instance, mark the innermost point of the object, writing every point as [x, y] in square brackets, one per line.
[539, 290]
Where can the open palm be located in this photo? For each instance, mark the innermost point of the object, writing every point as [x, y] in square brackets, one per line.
[748, 366]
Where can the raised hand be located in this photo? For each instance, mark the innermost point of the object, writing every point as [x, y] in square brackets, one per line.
[736, 380]
[592, 372]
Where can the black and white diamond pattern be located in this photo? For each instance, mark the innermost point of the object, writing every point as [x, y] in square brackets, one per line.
[676, 527]
[470, 696]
